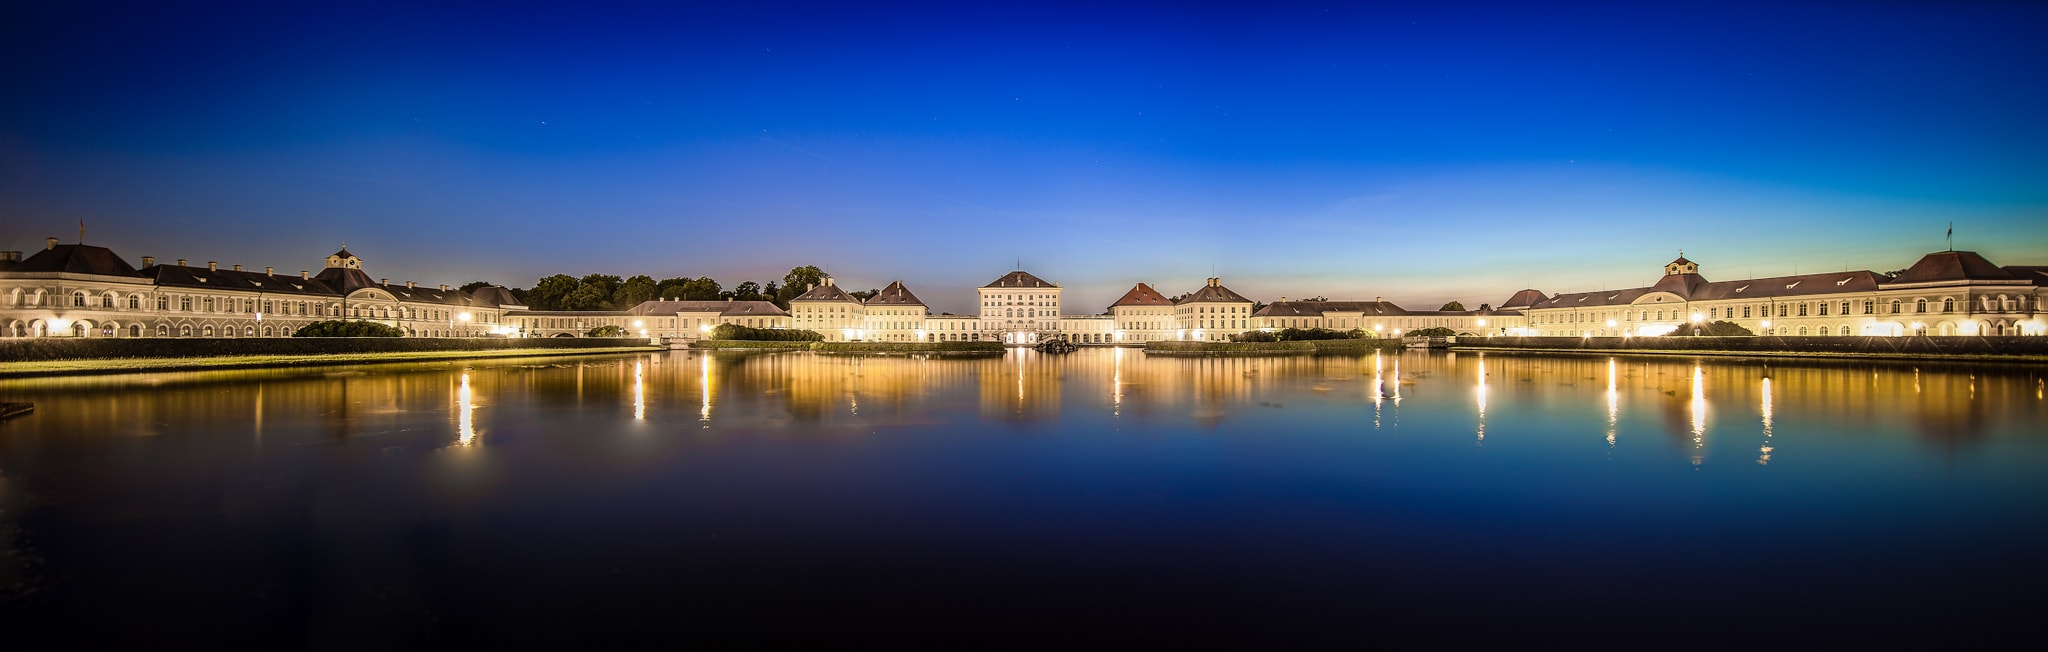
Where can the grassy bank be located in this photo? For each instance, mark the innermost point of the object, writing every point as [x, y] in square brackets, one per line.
[1803, 355]
[140, 365]
[1960, 348]
[759, 345]
[1271, 348]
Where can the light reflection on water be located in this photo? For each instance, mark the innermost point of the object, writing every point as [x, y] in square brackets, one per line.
[1233, 472]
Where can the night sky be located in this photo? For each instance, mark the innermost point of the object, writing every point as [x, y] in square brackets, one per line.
[1420, 151]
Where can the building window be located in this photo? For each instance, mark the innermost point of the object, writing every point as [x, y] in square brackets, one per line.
[1845, 307]
[1781, 311]
[1802, 310]
[185, 304]
[1823, 309]
[134, 302]
[163, 331]
[1869, 305]
[1919, 305]
[107, 300]
[78, 299]
[1895, 306]
[1948, 304]
[1745, 311]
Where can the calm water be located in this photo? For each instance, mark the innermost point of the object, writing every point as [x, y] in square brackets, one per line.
[1097, 497]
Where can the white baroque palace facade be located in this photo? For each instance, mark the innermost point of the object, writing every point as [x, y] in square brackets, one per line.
[80, 290]
[1944, 293]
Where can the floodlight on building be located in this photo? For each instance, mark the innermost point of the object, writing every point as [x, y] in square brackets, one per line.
[639, 324]
[1610, 323]
[1766, 324]
[705, 327]
[1482, 322]
[464, 317]
[1697, 317]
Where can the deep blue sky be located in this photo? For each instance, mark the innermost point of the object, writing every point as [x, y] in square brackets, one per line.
[1421, 151]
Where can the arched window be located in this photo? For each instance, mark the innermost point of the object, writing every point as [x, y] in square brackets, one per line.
[107, 300]
[1895, 306]
[1948, 304]
[1920, 305]
[135, 302]
[249, 331]
[163, 331]
[185, 330]
[266, 331]
[78, 299]
[1869, 305]
[135, 331]
[1802, 330]
[226, 331]
[1823, 330]
[207, 331]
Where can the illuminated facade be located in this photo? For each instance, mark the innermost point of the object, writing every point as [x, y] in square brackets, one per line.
[1385, 319]
[1944, 293]
[80, 290]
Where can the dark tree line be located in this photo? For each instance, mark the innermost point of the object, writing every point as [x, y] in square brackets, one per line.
[610, 292]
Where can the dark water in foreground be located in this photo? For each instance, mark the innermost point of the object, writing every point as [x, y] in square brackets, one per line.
[1429, 499]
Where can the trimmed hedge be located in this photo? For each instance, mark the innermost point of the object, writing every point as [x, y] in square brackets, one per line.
[341, 328]
[66, 348]
[1311, 346]
[1297, 335]
[738, 332]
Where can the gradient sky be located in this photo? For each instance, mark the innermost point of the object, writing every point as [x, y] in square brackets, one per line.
[1419, 151]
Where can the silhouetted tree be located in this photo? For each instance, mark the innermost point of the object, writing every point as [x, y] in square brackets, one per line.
[1454, 305]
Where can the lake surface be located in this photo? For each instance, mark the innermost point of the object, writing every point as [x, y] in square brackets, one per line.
[1100, 497]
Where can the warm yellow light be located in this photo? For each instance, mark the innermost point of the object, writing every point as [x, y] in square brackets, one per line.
[1767, 323]
[706, 328]
[1610, 323]
[1482, 322]
[639, 324]
[463, 316]
[1697, 317]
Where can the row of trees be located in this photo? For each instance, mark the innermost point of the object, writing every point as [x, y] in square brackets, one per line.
[611, 292]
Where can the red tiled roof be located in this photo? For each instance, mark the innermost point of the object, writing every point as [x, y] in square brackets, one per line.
[1952, 266]
[894, 295]
[76, 259]
[1142, 295]
[1019, 279]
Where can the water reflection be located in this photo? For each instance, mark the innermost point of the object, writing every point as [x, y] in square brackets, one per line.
[1509, 393]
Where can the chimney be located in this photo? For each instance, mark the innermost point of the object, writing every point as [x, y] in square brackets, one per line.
[810, 287]
[212, 266]
[49, 243]
[1379, 299]
[383, 281]
[409, 285]
[10, 256]
[302, 274]
[444, 287]
[728, 299]
[238, 268]
[148, 260]
[828, 280]
[1283, 299]
[269, 271]
[181, 262]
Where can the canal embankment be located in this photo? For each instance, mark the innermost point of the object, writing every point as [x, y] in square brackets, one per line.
[1308, 347]
[968, 349]
[58, 357]
[2003, 349]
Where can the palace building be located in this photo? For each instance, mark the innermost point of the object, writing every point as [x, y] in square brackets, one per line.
[1385, 319]
[1944, 293]
[79, 290]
